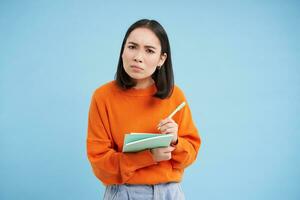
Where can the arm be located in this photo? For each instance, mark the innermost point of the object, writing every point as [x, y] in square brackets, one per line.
[185, 139]
[110, 166]
[188, 143]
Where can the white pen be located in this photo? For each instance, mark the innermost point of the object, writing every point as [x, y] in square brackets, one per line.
[175, 111]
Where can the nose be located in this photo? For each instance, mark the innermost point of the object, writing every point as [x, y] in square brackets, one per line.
[138, 57]
[137, 60]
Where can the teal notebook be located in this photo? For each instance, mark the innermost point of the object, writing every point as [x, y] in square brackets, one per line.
[134, 142]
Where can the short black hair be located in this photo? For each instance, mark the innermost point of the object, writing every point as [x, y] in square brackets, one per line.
[163, 77]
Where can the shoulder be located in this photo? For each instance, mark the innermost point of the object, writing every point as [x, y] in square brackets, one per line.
[105, 90]
[177, 95]
[178, 92]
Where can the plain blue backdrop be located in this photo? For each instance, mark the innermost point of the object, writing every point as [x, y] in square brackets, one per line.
[238, 63]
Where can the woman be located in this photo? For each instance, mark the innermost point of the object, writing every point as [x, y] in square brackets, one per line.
[139, 100]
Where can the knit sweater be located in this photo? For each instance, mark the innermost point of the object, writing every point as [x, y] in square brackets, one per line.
[115, 112]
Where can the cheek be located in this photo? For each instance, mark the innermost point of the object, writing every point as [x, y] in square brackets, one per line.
[125, 57]
[153, 62]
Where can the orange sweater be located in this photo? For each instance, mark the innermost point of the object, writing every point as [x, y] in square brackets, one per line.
[114, 112]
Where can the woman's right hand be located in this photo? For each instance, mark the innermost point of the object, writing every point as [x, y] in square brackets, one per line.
[163, 153]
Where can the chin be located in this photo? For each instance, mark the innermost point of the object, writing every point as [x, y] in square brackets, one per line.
[136, 76]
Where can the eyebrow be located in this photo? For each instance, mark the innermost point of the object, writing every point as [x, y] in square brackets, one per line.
[147, 46]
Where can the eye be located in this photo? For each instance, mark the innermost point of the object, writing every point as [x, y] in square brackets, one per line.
[131, 47]
[150, 51]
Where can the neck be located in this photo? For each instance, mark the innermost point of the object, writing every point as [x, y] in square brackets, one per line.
[142, 84]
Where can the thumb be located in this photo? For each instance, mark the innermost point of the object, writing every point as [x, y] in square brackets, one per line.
[171, 148]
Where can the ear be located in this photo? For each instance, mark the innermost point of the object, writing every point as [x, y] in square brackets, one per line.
[162, 59]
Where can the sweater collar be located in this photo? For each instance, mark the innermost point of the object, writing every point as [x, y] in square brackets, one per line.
[149, 91]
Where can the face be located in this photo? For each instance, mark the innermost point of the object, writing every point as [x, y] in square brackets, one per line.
[142, 55]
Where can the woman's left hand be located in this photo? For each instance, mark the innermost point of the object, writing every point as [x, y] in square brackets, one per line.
[169, 126]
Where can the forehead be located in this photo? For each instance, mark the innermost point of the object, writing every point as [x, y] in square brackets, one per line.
[143, 36]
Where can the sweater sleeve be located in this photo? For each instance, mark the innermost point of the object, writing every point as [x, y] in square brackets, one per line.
[186, 149]
[110, 166]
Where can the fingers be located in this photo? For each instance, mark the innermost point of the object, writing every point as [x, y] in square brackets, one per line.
[164, 153]
[169, 126]
[169, 130]
[163, 150]
[168, 149]
[167, 123]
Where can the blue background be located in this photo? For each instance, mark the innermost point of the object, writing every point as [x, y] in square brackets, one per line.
[238, 63]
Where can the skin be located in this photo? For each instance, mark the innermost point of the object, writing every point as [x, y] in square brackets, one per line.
[141, 56]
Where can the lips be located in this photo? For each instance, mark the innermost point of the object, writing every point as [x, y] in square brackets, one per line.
[136, 67]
